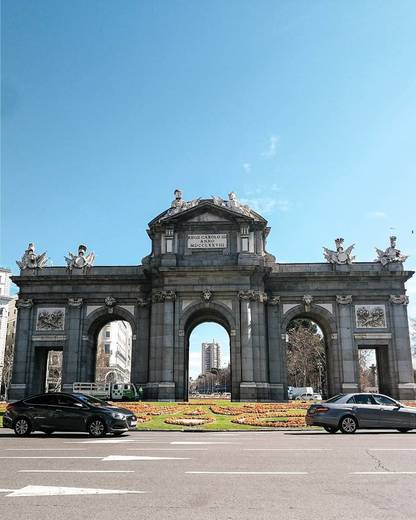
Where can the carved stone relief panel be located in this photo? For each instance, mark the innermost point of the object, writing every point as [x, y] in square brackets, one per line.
[49, 318]
[370, 316]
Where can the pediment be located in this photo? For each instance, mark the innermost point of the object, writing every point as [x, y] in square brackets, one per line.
[206, 211]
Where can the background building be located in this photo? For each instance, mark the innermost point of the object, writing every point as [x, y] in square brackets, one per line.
[5, 299]
[114, 352]
[210, 356]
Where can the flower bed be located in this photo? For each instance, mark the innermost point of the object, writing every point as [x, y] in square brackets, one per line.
[189, 421]
[270, 422]
[260, 408]
[197, 411]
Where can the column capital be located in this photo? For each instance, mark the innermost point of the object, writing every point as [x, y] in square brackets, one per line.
[24, 303]
[401, 299]
[344, 300]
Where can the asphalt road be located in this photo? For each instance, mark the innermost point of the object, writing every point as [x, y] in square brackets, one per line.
[236, 475]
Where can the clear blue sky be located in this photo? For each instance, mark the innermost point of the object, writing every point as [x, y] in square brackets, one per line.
[306, 109]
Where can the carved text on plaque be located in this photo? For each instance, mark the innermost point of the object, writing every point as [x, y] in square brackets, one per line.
[212, 241]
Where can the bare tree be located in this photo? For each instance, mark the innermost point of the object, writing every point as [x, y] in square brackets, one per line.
[306, 355]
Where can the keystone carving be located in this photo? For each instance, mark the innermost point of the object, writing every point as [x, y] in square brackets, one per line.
[307, 301]
[401, 299]
[206, 295]
[344, 300]
[110, 303]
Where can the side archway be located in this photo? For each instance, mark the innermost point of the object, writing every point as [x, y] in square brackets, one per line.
[326, 322]
[93, 324]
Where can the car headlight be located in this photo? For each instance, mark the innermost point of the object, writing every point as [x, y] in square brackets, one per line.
[117, 415]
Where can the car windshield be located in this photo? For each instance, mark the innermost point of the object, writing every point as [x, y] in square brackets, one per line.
[335, 398]
[92, 400]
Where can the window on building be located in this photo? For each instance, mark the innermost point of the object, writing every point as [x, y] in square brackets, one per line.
[107, 348]
[107, 333]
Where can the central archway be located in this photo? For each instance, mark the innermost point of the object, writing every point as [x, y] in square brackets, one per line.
[210, 313]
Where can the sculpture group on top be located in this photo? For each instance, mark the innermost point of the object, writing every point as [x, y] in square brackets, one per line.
[179, 204]
[30, 260]
[391, 254]
[340, 256]
[81, 260]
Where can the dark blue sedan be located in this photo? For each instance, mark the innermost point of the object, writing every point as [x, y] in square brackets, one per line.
[67, 413]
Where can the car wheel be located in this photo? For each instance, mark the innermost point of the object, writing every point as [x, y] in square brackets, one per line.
[97, 428]
[404, 430]
[348, 424]
[22, 427]
[330, 429]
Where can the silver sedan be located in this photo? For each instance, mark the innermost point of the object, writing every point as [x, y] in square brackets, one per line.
[348, 412]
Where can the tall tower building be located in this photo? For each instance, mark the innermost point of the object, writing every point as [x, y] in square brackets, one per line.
[210, 356]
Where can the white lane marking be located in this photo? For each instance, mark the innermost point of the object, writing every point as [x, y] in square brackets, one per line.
[167, 449]
[75, 471]
[383, 473]
[117, 441]
[45, 449]
[287, 449]
[111, 458]
[202, 442]
[42, 491]
[246, 472]
[50, 457]
[6, 490]
[391, 449]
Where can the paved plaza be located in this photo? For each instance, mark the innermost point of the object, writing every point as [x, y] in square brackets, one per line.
[235, 475]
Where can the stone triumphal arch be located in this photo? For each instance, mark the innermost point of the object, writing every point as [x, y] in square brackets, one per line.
[209, 262]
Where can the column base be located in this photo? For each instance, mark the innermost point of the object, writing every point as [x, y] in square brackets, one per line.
[406, 391]
[17, 391]
[262, 392]
[164, 391]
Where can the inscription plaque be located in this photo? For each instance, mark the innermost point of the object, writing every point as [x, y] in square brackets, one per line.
[212, 241]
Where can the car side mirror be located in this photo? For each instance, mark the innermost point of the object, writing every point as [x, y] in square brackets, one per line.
[398, 406]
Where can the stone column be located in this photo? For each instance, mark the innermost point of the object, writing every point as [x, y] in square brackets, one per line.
[349, 382]
[71, 359]
[247, 385]
[162, 386]
[406, 385]
[168, 341]
[140, 345]
[23, 351]
[275, 353]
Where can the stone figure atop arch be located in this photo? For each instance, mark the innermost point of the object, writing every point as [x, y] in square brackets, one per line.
[81, 260]
[30, 260]
[340, 256]
[391, 254]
